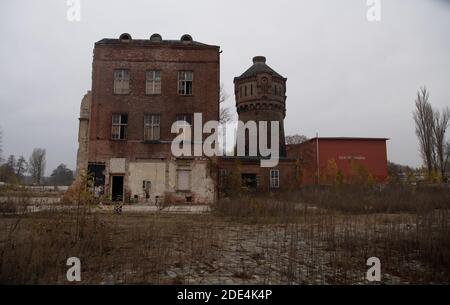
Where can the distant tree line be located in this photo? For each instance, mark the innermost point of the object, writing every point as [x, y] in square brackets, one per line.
[14, 170]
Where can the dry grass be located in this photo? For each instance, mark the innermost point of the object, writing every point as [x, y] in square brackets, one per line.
[245, 240]
[387, 199]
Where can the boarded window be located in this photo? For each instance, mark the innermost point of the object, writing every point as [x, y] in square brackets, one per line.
[183, 180]
[153, 82]
[119, 126]
[185, 81]
[121, 81]
[274, 178]
[152, 127]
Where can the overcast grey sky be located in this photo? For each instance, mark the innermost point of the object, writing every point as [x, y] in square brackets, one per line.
[346, 76]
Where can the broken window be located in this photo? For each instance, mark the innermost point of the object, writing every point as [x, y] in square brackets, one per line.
[184, 122]
[152, 127]
[96, 173]
[249, 181]
[274, 178]
[153, 82]
[119, 126]
[185, 80]
[121, 81]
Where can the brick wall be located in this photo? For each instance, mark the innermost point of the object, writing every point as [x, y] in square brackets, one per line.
[138, 56]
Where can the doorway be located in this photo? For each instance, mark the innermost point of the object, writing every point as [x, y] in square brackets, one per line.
[117, 188]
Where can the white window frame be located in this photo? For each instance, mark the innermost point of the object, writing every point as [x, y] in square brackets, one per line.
[152, 82]
[274, 178]
[184, 78]
[117, 133]
[152, 127]
[121, 81]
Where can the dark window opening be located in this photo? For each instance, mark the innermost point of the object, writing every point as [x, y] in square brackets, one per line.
[96, 173]
[249, 181]
[117, 188]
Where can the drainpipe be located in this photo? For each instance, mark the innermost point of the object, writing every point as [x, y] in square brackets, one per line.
[317, 158]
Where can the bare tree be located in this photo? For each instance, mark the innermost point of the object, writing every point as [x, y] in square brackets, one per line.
[225, 114]
[11, 162]
[424, 120]
[447, 154]
[37, 164]
[295, 139]
[21, 166]
[441, 123]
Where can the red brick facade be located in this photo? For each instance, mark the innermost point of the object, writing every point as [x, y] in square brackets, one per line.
[128, 166]
[318, 158]
[138, 56]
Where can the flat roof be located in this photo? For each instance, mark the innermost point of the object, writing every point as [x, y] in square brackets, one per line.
[148, 42]
[344, 139]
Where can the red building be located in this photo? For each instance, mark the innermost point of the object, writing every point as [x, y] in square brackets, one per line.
[324, 159]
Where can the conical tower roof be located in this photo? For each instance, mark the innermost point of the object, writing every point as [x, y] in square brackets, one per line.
[259, 66]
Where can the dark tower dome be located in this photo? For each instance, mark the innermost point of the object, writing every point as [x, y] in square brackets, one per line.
[260, 94]
[259, 66]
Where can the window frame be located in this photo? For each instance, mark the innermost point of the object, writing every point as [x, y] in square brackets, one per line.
[120, 125]
[151, 126]
[189, 123]
[154, 82]
[275, 179]
[123, 79]
[182, 86]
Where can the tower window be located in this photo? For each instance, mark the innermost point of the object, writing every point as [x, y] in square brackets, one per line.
[245, 90]
[251, 90]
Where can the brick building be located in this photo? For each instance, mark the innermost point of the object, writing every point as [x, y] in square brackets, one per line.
[260, 94]
[320, 159]
[139, 89]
